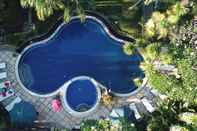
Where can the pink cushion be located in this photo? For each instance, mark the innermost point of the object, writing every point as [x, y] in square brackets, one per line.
[56, 105]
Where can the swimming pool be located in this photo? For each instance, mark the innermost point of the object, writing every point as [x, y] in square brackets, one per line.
[77, 49]
[81, 95]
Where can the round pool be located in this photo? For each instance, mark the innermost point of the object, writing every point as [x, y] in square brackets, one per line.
[81, 95]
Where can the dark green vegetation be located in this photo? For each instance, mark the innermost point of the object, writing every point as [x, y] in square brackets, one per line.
[168, 115]
[4, 118]
[174, 33]
[118, 12]
[105, 125]
[164, 33]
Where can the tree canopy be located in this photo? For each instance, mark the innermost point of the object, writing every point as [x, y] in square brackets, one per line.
[46, 8]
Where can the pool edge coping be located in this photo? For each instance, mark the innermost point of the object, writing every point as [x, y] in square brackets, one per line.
[106, 29]
[66, 105]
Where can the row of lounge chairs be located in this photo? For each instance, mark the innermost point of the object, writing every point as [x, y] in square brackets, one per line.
[133, 108]
[3, 74]
[6, 89]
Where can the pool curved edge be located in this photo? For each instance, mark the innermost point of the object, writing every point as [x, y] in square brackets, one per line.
[47, 39]
[50, 37]
[114, 31]
[23, 87]
[66, 105]
[144, 83]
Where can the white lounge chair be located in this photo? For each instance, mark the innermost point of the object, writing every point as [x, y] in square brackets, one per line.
[2, 65]
[115, 114]
[3, 75]
[133, 107]
[147, 105]
[11, 105]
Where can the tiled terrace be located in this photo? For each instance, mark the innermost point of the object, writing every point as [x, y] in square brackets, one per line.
[43, 105]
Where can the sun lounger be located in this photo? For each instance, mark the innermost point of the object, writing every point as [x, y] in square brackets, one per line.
[133, 107]
[147, 105]
[2, 65]
[3, 75]
[117, 112]
[11, 105]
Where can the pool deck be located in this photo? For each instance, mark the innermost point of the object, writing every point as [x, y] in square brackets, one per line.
[43, 105]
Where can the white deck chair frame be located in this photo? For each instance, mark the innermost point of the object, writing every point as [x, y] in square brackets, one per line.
[3, 75]
[148, 105]
[133, 107]
[2, 65]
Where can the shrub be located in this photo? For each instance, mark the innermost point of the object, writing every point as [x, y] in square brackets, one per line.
[128, 48]
[138, 82]
[106, 125]
[107, 100]
[168, 116]
[160, 24]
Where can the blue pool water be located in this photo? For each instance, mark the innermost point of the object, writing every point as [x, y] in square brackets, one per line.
[78, 49]
[86, 94]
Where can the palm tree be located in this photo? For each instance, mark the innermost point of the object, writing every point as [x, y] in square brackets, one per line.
[46, 8]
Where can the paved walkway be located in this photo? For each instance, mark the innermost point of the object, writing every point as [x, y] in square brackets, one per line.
[43, 105]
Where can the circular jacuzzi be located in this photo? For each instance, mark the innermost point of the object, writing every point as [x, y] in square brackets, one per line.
[81, 95]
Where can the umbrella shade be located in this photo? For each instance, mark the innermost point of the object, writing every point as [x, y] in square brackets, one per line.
[23, 114]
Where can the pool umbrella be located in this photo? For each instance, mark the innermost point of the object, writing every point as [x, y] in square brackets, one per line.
[23, 114]
[56, 105]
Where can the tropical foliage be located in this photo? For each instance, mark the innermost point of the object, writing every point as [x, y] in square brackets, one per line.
[171, 115]
[138, 82]
[183, 88]
[180, 52]
[128, 48]
[46, 8]
[156, 52]
[160, 24]
[178, 128]
[189, 118]
[106, 125]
